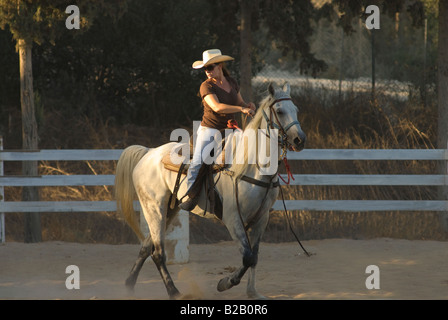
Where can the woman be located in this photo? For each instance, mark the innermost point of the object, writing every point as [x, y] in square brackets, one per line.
[221, 100]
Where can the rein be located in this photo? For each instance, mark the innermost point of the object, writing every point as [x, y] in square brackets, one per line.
[288, 171]
[232, 124]
[290, 225]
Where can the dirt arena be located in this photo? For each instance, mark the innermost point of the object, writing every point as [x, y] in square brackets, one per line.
[336, 270]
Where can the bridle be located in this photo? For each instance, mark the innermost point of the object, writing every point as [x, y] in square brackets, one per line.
[283, 136]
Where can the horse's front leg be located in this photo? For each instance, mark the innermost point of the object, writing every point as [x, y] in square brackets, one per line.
[255, 234]
[251, 290]
[249, 260]
[250, 257]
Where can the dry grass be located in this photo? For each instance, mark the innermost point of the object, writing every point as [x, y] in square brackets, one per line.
[352, 122]
[357, 123]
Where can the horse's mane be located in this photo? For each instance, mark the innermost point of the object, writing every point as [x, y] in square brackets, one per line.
[264, 105]
[238, 168]
[258, 117]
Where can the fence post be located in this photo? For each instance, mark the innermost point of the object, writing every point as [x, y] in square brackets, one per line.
[2, 199]
[444, 193]
[177, 237]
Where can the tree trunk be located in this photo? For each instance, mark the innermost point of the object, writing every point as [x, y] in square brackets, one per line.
[246, 50]
[29, 138]
[442, 91]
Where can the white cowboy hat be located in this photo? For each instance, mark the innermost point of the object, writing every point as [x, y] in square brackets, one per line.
[211, 56]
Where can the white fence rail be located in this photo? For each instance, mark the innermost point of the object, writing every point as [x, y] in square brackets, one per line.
[300, 179]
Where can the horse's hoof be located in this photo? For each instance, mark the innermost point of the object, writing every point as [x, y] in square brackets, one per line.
[223, 284]
[256, 296]
[175, 295]
[130, 291]
[130, 284]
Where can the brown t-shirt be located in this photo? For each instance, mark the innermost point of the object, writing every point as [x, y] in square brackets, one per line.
[212, 119]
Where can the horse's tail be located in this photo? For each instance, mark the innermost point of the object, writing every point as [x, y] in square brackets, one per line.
[124, 186]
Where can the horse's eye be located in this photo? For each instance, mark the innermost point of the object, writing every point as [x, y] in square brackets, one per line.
[279, 111]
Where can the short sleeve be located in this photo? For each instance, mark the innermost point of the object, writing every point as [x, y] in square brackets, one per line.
[206, 89]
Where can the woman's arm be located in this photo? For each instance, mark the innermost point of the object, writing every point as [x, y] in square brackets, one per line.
[213, 102]
[241, 102]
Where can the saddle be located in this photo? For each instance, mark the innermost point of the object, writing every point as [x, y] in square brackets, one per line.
[205, 179]
[169, 165]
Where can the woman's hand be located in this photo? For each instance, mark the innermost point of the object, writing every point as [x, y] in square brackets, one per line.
[252, 106]
[249, 109]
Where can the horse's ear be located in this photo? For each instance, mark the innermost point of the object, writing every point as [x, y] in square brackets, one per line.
[271, 89]
[286, 88]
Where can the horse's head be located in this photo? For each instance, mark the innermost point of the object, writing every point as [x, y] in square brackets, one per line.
[280, 113]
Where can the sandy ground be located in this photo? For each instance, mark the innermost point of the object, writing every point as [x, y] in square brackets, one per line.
[336, 270]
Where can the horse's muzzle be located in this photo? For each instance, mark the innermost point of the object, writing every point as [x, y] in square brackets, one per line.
[299, 142]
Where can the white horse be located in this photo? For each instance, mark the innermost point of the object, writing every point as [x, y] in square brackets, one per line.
[247, 193]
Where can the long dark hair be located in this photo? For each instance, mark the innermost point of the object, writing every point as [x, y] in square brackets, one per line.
[225, 71]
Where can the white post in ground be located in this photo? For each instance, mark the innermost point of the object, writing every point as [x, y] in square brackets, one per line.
[177, 239]
[2, 198]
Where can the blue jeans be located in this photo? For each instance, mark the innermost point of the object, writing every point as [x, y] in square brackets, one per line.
[205, 136]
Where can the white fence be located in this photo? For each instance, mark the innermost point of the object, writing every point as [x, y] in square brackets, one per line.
[180, 236]
[177, 237]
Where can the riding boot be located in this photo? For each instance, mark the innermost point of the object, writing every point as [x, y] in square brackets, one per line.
[189, 204]
[192, 195]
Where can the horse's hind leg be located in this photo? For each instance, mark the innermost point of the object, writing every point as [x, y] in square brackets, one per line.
[145, 252]
[158, 217]
[159, 256]
[159, 259]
